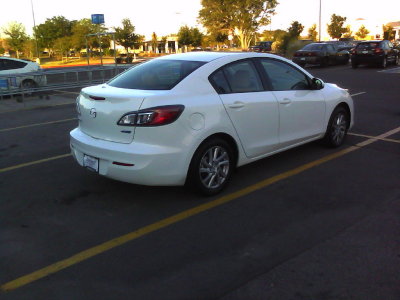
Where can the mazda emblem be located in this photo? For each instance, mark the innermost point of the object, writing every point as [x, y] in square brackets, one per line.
[93, 113]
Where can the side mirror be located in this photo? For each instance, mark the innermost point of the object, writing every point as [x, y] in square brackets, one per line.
[317, 84]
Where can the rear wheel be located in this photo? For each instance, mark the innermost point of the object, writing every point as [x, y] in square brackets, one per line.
[211, 167]
[27, 86]
[337, 128]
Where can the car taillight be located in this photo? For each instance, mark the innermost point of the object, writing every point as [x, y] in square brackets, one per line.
[155, 116]
[312, 54]
[296, 54]
[378, 50]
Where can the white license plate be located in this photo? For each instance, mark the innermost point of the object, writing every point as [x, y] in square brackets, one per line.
[303, 58]
[364, 52]
[92, 163]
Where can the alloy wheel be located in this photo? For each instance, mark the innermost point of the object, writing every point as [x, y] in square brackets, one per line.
[339, 127]
[214, 167]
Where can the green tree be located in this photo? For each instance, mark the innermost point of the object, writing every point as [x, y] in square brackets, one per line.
[336, 28]
[348, 33]
[197, 37]
[362, 32]
[63, 45]
[154, 42]
[51, 30]
[388, 32]
[2, 50]
[16, 36]
[312, 32]
[80, 31]
[242, 17]
[295, 29]
[125, 35]
[184, 36]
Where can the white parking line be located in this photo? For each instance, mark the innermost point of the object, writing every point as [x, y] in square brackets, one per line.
[357, 94]
[375, 138]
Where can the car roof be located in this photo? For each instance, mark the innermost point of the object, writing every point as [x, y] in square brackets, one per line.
[202, 56]
[14, 59]
[372, 41]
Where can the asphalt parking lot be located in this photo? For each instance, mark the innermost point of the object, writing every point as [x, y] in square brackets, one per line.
[309, 223]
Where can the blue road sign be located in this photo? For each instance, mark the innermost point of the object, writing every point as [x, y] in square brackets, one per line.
[98, 19]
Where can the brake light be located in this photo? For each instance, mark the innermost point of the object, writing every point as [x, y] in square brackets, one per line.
[378, 50]
[296, 54]
[155, 116]
[312, 54]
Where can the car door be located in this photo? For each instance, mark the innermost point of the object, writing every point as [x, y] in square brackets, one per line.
[301, 108]
[252, 110]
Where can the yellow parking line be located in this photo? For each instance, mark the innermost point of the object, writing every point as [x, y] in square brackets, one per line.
[37, 124]
[372, 137]
[108, 245]
[33, 163]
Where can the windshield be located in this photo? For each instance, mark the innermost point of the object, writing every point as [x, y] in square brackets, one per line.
[158, 74]
[313, 47]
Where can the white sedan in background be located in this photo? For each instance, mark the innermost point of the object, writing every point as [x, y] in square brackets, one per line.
[192, 118]
[19, 73]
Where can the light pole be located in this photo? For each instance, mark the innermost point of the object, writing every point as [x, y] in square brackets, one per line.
[34, 25]
[319, 31]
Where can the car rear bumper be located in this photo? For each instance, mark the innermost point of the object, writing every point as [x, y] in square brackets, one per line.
[367, 59]
[314, 60]
[152, 164]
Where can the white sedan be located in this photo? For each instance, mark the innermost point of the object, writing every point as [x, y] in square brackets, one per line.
[192, 118]
[19, 73]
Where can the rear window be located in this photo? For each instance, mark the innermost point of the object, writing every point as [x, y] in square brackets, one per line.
[158, 74]
[367, 46]
[313, 47]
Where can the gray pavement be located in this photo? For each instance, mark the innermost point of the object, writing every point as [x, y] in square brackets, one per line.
[12, 104]
[327, 233]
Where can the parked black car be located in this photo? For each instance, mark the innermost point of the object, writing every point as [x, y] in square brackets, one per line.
[323, 54]
[262, 47]
[124, 59]
[379, 53]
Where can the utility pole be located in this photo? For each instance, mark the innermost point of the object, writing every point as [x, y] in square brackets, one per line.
[319, 31]
[36, 42]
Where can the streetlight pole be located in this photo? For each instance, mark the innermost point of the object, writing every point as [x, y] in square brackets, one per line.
[319, 31]
[34, 25]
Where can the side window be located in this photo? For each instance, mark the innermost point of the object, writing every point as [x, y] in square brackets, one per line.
[330, 48]
[12, 64]
[219, 82]
[242, 77]
[284, 77]
[2, 66]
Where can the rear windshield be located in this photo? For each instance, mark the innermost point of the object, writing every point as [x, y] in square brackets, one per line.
[366, 46]
[313, 47]
[158, 74]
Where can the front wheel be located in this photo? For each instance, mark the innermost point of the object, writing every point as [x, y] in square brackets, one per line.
[396, 61]
[337, 128]
[384, 62]
[211, 167]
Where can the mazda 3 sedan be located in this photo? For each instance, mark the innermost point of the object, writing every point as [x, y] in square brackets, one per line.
[191, 119]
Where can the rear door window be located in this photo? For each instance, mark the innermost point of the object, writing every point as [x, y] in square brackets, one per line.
[243, 77]
[367, 46]
[159, 74]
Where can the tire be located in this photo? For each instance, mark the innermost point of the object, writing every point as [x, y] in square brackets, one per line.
[396, 61]
[27, 85]
[337, 128]
[384, 62]
[211, 167]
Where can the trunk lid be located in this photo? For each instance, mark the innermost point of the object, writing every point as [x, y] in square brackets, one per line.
[102, 106]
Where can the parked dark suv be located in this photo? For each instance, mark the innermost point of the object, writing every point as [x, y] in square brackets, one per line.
[379, 53]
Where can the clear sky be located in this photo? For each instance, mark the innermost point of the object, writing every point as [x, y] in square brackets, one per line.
[166, 16]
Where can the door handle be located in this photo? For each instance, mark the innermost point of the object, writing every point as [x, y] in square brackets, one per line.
[285, 101]
[236, 104]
